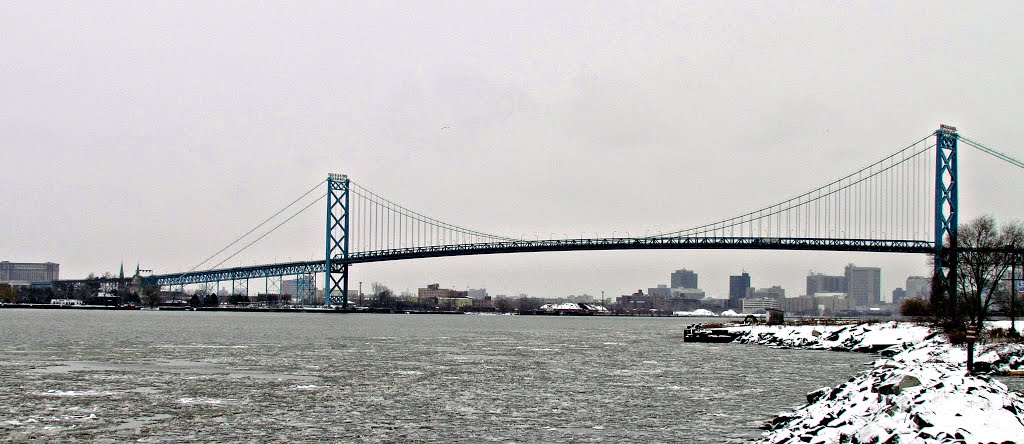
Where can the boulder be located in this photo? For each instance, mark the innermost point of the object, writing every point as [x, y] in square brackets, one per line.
[895, 387]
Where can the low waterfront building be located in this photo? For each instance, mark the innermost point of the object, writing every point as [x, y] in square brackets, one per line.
[477, 293]
[803, 305]
[831, 303]
[635, 301]
[443, 297]
[661, 291]
[759, 304]
[485, 304]
[434, 291]
[454, 303]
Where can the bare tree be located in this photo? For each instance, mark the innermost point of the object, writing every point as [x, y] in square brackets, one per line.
[382, 294]
[503, 304]
[981, 267]
[914, 308]
[527, 303]
[151, 295]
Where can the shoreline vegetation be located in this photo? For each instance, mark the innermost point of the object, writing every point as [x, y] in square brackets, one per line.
[918, 391]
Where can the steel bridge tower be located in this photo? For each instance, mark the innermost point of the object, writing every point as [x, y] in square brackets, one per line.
[946, 212]
[336, 265]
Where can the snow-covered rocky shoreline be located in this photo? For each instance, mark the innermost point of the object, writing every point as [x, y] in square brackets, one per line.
[917, 392]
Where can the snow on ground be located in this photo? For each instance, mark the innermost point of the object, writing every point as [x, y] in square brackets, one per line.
[921, 393]
[1001, 358]
[573, 306]
[1005, 325]
[851, 337]
[700, 312]
[900, 403]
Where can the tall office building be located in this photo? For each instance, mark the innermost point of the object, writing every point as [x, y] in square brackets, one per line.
[739, 287]
[898, 295]
[477, 293]
[919, 287]
[302, 288]
[821, 283]
[864, 285]
[684, 279]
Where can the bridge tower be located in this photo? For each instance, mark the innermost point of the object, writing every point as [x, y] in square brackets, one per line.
[336, 271]
[946, 212]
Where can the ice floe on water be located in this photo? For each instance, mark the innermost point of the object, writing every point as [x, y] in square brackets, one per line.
[918, 392]
[208, 401]
[73, 393]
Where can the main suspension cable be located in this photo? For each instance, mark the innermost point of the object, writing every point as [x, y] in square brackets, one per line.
[282, 210]
[293, 216]
[1002, 156]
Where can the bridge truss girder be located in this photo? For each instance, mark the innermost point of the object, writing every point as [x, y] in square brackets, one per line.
[236, 273]
[649, 243]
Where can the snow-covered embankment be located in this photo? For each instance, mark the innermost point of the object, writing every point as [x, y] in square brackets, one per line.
[918, 392]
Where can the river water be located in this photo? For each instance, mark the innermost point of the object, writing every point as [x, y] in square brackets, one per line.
[158, 376]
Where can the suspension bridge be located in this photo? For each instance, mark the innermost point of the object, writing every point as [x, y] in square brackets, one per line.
[906, 202]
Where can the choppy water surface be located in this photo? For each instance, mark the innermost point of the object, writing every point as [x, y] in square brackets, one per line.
[193, 376]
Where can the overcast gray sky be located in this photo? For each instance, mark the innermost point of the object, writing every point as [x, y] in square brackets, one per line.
[160, 131]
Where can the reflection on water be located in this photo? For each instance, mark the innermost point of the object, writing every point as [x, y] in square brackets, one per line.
[195, 376]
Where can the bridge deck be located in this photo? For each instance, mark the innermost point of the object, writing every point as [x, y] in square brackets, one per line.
[528, 246]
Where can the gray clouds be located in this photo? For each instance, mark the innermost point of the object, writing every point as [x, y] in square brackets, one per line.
[161, 131]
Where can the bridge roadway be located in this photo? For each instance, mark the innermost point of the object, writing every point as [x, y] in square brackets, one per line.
[527, 246]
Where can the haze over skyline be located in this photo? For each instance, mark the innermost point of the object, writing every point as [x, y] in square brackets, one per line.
[159, 132]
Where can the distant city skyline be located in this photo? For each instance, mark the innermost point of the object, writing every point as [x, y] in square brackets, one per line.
[715, 290]
[822, 281]
[884, 294]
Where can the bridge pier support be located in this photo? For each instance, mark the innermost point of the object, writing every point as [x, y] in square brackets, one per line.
[944, 281]
[336, 266]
